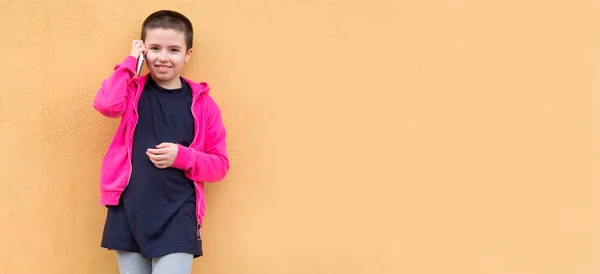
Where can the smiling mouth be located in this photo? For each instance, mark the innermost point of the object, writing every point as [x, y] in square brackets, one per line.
[162, 68]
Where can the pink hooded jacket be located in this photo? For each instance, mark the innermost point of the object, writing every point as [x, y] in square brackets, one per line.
[205, 160]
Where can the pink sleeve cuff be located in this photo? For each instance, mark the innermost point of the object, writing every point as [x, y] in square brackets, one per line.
[182, 158]
[110, 197]
[130, 61]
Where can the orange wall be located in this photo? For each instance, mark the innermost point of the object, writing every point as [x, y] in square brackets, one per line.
[418, 137]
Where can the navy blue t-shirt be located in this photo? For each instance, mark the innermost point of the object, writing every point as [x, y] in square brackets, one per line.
[156, 213]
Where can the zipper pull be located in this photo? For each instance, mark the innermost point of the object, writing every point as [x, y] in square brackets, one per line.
[198, 231]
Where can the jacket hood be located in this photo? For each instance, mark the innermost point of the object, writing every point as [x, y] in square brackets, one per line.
[197, 88]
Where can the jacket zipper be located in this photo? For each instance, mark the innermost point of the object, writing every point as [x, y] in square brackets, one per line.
[196, 187]
[131, 137]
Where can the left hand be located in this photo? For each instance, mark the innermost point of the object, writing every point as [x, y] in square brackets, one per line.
[163, 155]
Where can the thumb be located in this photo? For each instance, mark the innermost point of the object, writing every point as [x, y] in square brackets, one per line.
[163, 145]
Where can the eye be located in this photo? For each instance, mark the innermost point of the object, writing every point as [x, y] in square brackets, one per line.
[174, 50]
[153, 48]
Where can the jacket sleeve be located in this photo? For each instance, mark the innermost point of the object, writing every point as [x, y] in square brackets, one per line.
[212, 164]
[111, 98]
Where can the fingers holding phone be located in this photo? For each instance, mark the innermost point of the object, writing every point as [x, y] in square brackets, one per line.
[137, 48]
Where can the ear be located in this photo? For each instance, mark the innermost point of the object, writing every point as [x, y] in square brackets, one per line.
[188, 55]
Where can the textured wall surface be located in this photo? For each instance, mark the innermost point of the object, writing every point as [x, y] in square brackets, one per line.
[365, 136]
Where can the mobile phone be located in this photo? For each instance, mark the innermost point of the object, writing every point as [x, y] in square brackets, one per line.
[140, 62]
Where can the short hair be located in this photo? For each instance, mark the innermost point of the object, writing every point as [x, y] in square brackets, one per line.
[167, 19]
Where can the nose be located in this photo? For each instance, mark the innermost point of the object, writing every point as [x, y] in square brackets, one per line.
[162, 57]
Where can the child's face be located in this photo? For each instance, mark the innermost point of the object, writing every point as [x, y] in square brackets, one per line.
[166, 54]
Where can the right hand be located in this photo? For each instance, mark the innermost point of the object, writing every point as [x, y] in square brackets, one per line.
[137, 47]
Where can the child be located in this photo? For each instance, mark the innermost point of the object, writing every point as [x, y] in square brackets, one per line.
[170, 141]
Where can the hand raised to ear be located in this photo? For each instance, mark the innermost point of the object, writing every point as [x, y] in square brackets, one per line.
[137, 47]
